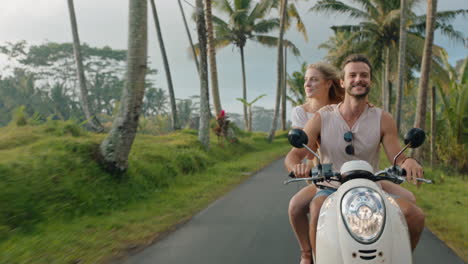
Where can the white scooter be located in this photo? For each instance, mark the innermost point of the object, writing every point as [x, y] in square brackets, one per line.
[360, 223]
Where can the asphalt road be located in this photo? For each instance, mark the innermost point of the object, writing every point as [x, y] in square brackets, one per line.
[250, 225]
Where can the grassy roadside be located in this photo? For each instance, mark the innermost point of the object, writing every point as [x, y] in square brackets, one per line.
[79, 223]
[58, 206]
[445, 205]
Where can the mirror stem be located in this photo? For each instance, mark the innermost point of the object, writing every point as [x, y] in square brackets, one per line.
[311, 151]
[399, 153]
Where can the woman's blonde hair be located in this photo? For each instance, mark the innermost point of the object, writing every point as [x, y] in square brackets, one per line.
[336, 92]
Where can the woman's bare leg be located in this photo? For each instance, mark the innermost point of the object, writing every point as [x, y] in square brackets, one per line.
[298, 209]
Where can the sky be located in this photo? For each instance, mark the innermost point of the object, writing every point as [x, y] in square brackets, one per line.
[105, 23]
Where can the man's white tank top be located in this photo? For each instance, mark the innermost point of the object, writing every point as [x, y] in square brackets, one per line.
[366, 137]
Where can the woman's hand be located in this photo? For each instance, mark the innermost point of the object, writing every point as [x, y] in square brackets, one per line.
[302, 170]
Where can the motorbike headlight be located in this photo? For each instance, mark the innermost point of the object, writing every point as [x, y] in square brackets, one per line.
[363, 212]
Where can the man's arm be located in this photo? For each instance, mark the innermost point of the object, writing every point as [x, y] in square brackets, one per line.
[293, 161]
[392, 146]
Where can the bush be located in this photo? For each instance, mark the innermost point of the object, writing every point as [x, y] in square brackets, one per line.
[20, 117]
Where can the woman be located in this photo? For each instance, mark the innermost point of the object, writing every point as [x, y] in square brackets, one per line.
[322, 87]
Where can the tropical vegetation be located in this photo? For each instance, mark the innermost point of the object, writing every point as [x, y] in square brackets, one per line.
[58, 173]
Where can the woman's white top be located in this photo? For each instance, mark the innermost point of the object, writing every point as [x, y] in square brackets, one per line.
[299, 117]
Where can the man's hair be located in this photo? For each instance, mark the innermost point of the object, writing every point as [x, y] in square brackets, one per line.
[355, 58]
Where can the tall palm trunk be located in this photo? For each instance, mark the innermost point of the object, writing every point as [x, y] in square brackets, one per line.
[203, 131]
[385, 84]
[175, 122]
[189, 36]
[249, 109]
[116, 146]
[283, 91]
[401, 62]
[279, 69]
[87, 109]
[420, 119]
[433, 124]
[244, 89]
[212, 56]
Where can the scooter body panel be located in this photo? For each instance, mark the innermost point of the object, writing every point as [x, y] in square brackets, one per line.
[336, 246]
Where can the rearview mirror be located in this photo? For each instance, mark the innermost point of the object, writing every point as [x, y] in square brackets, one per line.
[297, 138]
[415, 137]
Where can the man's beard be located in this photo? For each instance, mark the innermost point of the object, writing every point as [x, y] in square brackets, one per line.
[358, 96]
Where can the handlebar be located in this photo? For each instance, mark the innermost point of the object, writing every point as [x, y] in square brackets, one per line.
[393, 174]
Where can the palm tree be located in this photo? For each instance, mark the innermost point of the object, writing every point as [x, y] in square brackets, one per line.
[212, 57]
[116, 146]
[420, 120]
[379, 28]
[246, 22]
[249, 107]
[284, 90]
[296, 86]
[401, 62]
[279, 69]
[87, 109]
[203, 131]
[452, 83]
[175, 122]
[188, 34]
[291, 13]
[433, 125]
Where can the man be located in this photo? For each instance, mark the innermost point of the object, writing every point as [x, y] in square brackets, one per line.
[354, 130]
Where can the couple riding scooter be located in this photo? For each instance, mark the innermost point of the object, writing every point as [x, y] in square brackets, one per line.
[353, 130]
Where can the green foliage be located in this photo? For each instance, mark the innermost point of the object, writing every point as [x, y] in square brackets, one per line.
[444, 205]
[452, 123]
[20, 117]
[43, 79]
[296, 90]
[50, 171]
[378, 26]
[61, 128]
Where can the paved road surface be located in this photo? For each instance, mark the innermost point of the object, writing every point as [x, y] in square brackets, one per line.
[250, 225]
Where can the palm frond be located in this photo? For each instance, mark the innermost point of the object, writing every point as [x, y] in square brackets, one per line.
[259, 11]
[293, 13]
[266, 25]
[392, 17]
[334, 6]
[257, 98]
[370, 7]
[346, 28]
[463, 72]
[271, 41]
[448, 31]
[443, 22]
[242, 4]
[225, 6]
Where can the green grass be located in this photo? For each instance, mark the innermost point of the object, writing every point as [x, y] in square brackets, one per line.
[58, 206]
[445, 205]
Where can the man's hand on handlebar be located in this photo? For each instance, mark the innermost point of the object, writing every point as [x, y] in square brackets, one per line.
[413, 170]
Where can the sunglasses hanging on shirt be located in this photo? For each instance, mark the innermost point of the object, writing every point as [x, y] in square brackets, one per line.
[348, 137]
